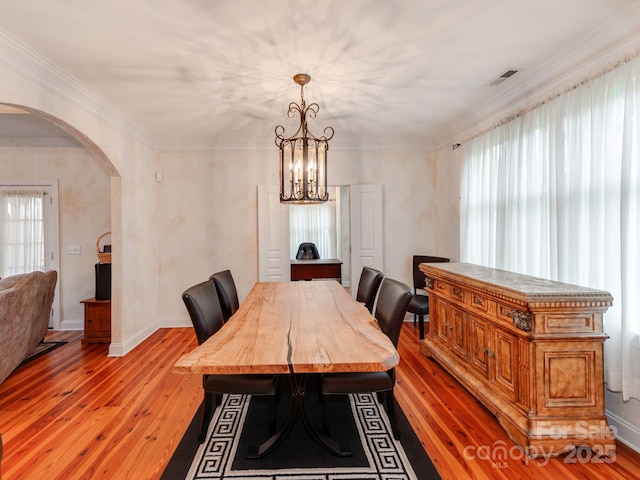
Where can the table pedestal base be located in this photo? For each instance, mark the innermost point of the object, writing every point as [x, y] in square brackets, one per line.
[297, 405]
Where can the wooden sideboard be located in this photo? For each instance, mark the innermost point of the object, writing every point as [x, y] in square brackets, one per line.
[529, 349]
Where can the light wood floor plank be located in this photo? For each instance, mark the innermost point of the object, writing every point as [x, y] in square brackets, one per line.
[77, 414]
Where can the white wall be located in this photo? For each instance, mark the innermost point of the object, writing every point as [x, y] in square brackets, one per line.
[208, 213]
[85, 213]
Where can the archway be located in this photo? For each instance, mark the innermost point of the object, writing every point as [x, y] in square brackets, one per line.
[39, 151]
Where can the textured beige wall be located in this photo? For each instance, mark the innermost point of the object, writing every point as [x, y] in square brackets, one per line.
[447, 206]
[208, 213]
[84, 209]
[131, 164]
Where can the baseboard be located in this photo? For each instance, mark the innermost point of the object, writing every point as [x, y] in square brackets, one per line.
[117, 349]
[66, 325]
[174, 322]
[625, 432]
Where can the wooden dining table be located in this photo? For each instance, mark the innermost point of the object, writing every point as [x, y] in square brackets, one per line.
[295, 329]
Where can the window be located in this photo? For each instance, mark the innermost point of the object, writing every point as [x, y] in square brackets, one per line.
[555, 193]
[314, 223]
[23, 231]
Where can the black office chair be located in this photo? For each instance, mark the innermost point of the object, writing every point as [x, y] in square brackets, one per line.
[307, 251]
[227, 293]
[370, 280]
[419, 305]
[204, 309]
[392, 305]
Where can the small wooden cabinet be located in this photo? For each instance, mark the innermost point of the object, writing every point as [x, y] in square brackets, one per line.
[97, 321]
[529, 349]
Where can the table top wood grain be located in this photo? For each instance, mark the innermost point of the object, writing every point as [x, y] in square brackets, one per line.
[299, 327]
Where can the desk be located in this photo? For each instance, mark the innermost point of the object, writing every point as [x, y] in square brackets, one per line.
[314, 269]
[295, 328]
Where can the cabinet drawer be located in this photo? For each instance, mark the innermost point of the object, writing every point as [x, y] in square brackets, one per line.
[457, 293]
[480, 303]
[504, 312]
[440, 286]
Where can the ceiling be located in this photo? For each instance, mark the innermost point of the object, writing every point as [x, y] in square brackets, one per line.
[204, 73]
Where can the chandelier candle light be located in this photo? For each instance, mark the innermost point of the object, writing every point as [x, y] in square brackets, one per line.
[303, 156]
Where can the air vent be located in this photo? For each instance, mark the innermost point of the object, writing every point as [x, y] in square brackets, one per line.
[505, 76]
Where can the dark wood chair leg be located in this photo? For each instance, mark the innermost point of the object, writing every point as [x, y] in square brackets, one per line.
[421, 326]
[207, 412]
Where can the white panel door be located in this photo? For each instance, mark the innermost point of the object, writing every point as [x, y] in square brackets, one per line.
[273, 236]
[366, 231]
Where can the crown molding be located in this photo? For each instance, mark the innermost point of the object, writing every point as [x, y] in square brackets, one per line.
[581, 59]
[28, 63]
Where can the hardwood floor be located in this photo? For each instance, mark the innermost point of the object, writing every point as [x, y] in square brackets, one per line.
[77, 414]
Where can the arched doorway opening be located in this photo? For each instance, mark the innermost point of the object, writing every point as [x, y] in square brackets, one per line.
[34, 146]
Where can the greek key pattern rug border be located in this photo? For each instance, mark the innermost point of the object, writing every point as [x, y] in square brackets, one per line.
[386, 457]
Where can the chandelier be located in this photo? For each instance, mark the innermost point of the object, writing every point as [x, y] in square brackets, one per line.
[303, 156]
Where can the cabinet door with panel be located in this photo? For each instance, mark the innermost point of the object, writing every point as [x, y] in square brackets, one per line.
[97, 321]
[504, 358]
[479, 345]
[440, 321]
[458, 332]
[493, 354]
[450, 325]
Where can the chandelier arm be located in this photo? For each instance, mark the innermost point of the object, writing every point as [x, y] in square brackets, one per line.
[293, 109]
[279, 135]
[328, 134]
[312, 110]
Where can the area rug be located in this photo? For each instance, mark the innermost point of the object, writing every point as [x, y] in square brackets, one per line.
[358, 421]
[41, 349]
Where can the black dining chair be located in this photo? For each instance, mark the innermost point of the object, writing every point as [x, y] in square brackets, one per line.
[307, 251]
[370, 280]
[393, 299]
[204, 309]
[419, 304]
[227, 293]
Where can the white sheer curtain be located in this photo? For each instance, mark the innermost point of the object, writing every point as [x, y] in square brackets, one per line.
[22, 242]
[314, 223]
[555, 193]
